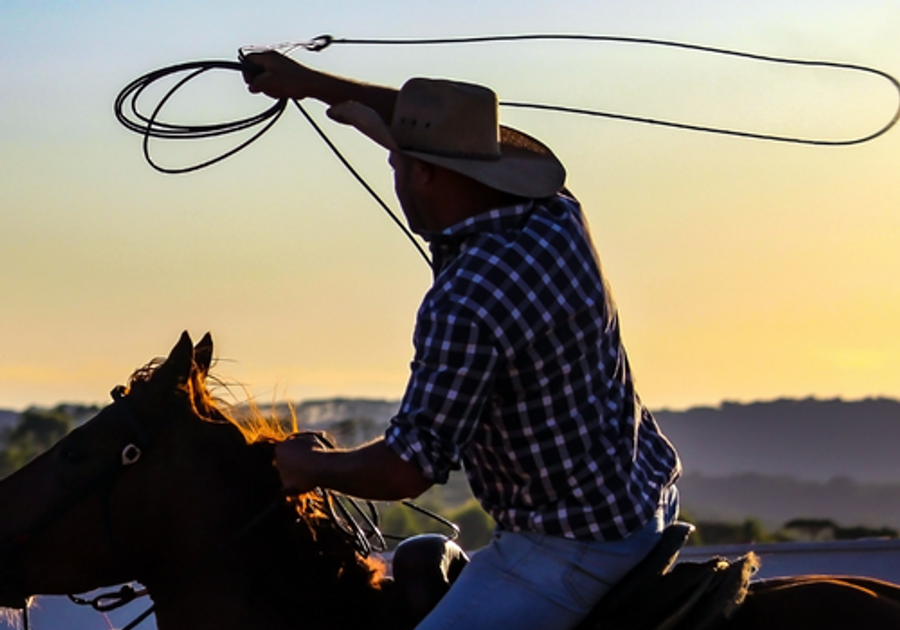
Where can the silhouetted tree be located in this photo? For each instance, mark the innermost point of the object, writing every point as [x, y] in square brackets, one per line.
[812, 528]
[826, 529]
[855, 533]
[716, 533]
[37, 430]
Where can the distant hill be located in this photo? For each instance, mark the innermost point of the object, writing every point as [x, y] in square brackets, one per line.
[351, 420]
[8, 419]
[774, 460]
[808, 439]
[814, 440]
[787, 459]
[775, 500]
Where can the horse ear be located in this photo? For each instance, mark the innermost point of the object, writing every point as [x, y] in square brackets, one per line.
[203, 353]
[176, 369]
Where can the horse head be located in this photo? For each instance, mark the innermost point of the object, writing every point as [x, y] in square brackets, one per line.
[71, 517]
[164, 483]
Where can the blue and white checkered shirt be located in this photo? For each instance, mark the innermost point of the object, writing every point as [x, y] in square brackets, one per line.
[520, 376]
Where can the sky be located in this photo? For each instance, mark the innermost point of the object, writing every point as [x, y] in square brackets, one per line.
[743, 270]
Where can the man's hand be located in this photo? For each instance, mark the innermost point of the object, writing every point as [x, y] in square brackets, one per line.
[278, 76]
[295, 460]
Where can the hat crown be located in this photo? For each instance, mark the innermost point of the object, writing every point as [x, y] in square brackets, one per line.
[447, 118]
[455, 126]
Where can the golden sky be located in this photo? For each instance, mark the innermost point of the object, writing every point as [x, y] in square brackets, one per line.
[743, 269]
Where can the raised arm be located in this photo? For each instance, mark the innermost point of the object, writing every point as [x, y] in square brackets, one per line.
[282, 77]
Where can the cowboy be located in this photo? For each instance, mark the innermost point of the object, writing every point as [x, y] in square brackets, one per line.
[519, 374]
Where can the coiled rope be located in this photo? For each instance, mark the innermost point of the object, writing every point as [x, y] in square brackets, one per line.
[150, 125]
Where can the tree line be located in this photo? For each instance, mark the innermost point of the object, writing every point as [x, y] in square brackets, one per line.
[477, 528]
[38, 429]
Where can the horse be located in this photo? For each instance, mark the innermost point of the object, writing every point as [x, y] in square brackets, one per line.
[167, 487]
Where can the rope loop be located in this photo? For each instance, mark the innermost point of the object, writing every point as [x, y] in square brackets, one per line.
[320, 43]
[150, 126]
[645, 41]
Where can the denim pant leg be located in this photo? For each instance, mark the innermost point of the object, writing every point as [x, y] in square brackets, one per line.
[526, 580]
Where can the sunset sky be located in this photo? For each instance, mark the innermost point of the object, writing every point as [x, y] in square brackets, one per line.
[743, 270]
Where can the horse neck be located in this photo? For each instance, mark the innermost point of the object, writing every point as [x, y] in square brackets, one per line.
[268, 571]
[231, 599]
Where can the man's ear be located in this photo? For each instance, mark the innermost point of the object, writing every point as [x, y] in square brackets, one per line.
[423, 173]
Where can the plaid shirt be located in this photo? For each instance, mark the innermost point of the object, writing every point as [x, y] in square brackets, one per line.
[520, 376]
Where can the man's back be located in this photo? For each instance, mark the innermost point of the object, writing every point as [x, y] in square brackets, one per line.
[539, 404]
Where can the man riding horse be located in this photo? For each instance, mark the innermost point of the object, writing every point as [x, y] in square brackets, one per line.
[519, 374]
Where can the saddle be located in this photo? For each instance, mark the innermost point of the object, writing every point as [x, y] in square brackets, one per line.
[424, 567]
[656, 594]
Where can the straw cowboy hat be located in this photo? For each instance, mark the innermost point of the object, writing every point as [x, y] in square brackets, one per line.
[455, 125]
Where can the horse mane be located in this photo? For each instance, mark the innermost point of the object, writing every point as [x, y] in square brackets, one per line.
[253, 425]
[13, 617]
[306, 535]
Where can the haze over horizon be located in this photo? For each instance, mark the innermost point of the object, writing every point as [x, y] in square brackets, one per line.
[743, 270]
[244, 398]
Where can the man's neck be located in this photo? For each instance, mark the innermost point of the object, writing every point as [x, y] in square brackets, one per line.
[459, 198]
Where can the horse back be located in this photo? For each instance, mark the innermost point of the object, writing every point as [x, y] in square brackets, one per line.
[819, 602]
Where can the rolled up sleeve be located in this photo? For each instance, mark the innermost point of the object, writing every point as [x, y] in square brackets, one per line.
[451, 377]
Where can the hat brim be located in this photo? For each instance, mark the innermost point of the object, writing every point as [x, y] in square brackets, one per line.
[526, 167]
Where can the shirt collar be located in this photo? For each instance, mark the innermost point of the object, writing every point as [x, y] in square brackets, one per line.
[445, 245]
[493, 220]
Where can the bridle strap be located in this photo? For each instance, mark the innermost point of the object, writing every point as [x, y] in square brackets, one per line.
[119, 395]
[106, 475]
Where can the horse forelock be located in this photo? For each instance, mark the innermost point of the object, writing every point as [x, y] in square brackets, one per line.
[210, 406]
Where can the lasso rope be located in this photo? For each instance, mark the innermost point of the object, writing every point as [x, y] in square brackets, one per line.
[150, 126]
[324, 41]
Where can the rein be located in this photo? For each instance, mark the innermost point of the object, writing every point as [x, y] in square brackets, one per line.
[367, 537]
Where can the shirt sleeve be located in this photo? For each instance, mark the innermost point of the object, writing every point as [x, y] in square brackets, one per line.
[452, 375]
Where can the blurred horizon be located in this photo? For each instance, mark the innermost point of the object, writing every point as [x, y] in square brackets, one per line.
[297, 403]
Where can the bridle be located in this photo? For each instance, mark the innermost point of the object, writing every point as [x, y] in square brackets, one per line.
[105, 478]
[136, 445]
[131, 453]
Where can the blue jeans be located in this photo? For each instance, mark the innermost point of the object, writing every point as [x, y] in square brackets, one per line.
[526, 580]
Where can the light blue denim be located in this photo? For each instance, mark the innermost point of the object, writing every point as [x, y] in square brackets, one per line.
[531, 581]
